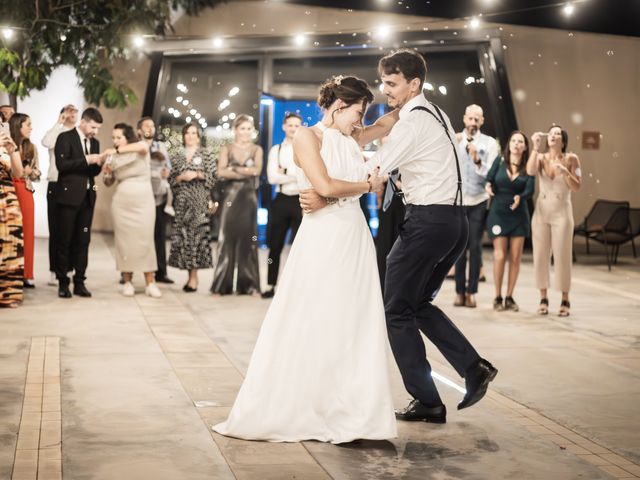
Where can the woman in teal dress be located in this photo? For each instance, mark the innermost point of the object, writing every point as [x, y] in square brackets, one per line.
[508, 222]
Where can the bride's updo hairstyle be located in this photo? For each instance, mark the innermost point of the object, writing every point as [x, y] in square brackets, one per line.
[350, 90]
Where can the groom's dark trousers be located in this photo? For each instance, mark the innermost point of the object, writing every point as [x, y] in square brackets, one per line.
[431, 239]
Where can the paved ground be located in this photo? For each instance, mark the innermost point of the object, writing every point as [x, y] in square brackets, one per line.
[127, 388]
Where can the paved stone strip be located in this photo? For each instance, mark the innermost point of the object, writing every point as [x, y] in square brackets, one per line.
[212, 382]
[39, 447]
[566, 439]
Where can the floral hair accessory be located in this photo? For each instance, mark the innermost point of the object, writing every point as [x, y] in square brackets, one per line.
[338, 80]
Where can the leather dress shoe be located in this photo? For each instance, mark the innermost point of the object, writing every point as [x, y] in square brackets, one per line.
[80, 290]
[418, 412]
[64, 292]
[477, 380]
[164, 280]
[268, 294]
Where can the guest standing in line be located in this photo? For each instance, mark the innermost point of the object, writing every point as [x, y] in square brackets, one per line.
[508, 223]
[193, 173]
[20, 128]
[66, 121]
[132, 208]
[477, 152]
[285, 212]
[240, 164]
[558, 174]
[78, 162]
[159, 173]
[11, 248]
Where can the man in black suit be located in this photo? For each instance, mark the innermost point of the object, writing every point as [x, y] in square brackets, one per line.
[78, 162]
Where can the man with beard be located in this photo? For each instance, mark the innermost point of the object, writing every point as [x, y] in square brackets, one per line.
[147, 132]
[477, 152]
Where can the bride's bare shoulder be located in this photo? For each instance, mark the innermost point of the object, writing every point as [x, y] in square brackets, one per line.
[306, 135]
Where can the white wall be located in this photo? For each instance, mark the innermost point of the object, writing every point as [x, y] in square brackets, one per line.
[44, 108]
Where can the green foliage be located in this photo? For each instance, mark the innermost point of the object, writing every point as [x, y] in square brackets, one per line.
[89, 35]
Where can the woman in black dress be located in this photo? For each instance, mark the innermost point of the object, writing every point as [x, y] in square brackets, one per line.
[193, 173]
[508, 222]
[240, 165]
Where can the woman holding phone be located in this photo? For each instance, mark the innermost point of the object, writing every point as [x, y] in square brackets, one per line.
[558, 174]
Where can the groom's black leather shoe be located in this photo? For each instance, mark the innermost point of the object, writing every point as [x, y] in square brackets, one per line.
[417, 412]
[477, 380]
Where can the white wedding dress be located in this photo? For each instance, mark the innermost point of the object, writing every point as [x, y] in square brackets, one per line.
[319, 369]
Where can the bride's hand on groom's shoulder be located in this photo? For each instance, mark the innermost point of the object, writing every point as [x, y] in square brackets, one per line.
[310, 201]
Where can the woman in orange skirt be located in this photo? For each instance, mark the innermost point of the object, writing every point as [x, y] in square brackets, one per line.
[20, 128]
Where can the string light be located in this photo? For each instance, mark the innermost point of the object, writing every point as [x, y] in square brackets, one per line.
[138, 41]
[7, 33]
[568, 9]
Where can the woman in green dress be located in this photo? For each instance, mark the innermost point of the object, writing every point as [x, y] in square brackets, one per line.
[508, 222]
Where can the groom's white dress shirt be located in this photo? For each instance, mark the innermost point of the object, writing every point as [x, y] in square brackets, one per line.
[419, 146]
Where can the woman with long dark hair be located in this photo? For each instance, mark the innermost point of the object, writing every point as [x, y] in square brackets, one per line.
[20, 128]
[508, 222]
[558, 174]
[132, 208]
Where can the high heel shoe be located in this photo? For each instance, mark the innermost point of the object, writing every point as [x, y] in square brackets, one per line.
[543, 308]
[510, 304]
[497, 304]
[564, 308]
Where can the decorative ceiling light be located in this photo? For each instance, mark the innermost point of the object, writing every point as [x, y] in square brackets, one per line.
[217, 42]
[193, 111]
[198, 115]
[138, 41]
[234, 91]
[568, 9]
[469, 80]
[185, 102]
[178, 99]
[474, 23]
[383, 31]
[182, 87]
[427, 86]
[300, 39]
[442, 89]
[188, 119]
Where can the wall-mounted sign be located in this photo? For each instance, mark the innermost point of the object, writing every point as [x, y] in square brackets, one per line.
[591, 140]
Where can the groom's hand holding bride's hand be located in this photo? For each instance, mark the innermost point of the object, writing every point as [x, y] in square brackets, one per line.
[310, 201]
[377, 181]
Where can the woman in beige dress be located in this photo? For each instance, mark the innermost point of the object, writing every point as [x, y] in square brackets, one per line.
[133, 208]
[558, 174]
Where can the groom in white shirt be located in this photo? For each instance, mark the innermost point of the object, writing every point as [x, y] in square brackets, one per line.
[432, 237]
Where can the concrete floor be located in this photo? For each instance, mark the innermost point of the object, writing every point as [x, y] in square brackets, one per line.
[142, 380]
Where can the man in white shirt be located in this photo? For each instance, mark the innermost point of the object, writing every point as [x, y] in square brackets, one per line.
[476, 152]
[159, 174]
[285, 212]
[66, 121]
[431, 239]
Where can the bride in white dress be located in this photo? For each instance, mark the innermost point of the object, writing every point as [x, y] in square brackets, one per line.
[319, 369]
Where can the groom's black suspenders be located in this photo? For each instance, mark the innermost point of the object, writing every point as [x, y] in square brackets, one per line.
[455, 150]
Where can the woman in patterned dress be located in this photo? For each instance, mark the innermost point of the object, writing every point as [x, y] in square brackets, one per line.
[11, 247]
[192, 177]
